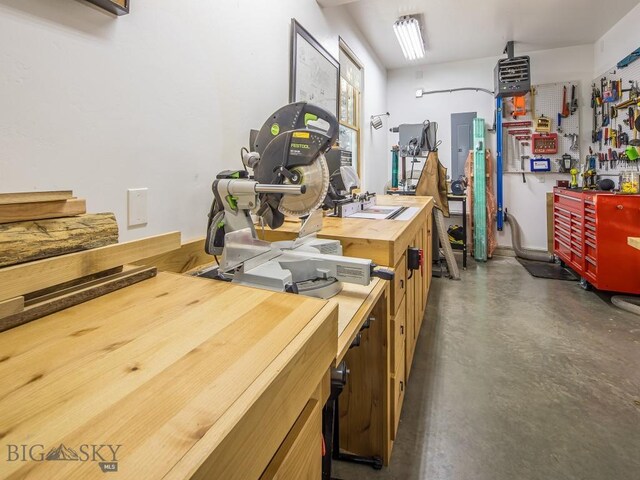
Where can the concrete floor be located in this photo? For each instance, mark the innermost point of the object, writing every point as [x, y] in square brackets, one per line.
[518, 378]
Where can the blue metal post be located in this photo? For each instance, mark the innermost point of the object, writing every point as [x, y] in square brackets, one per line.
[499, 186]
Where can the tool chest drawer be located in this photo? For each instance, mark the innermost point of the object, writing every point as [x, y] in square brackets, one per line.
[568, 200]
[590, 236]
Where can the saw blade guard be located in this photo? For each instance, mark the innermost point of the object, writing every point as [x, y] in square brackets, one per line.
[292, 144]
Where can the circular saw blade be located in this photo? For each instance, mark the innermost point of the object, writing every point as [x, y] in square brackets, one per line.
[316, 178]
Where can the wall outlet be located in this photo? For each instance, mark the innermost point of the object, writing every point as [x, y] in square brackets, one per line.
[137, 206]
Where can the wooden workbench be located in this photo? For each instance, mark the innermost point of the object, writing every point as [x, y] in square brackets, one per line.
[193, 378]
[371, 404]
[383, 241]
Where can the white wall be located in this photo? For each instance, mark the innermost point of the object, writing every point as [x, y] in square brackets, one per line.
[527, 202]
[162, 98]
[617, 43]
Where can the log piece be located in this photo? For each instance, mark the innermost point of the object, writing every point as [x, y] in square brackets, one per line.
[26, 241]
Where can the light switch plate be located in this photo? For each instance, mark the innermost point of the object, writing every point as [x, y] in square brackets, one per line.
[137, 206]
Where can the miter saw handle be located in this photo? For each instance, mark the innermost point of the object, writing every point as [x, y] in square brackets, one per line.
[382, 272]
[297, 116]
[311, 112]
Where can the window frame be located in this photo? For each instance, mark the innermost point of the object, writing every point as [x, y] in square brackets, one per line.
[358, 108]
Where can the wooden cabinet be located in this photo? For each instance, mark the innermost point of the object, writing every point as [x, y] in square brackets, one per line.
[186, 393]
[399, 283]
[300, 455]
[397, 398]
[399, 334]
[371, 404]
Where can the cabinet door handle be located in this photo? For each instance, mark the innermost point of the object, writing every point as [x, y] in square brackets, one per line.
[401, 329]
[401, 283]
[401, 386]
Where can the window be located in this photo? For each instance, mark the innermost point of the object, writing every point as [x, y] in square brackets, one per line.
[351, 83]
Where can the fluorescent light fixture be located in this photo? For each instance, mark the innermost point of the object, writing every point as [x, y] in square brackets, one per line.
[409, 35]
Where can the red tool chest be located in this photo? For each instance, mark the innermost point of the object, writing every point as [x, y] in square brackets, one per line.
[590, 235]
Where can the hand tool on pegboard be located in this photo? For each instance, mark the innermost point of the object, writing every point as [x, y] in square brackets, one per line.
[633, 90]
[611, 92]
[603, 86]
[574, 141]
[613, 137]
[524, 123]
[565, 163]
[543, 124]
[599, 136]
[565, 106]
[559, 127]
[523, 159]
[602, 162]
[532, 94]
[519, 107]
[634, 125]
[596, 101]
[574, 100]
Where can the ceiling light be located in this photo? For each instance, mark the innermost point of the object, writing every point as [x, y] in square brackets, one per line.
[409, 35]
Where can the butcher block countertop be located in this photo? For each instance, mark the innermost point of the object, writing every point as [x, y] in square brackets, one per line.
[191, 378]
[383, 241]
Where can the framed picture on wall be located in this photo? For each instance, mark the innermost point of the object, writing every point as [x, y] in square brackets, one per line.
[117, 7]
[315, 74]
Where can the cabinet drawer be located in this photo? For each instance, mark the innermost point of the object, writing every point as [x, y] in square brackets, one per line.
[398, 338]
[399, 284]
[300, 455]
[397, 399]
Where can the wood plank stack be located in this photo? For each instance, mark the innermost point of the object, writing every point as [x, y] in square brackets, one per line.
[36, 225]
[53, 255]
[32, 290]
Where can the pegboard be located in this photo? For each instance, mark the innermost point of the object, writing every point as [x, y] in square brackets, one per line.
[547, 101]
[609, 169]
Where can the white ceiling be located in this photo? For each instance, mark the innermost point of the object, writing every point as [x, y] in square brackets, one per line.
[466, 29]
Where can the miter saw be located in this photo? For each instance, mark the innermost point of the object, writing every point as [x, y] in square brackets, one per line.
[290, 177]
